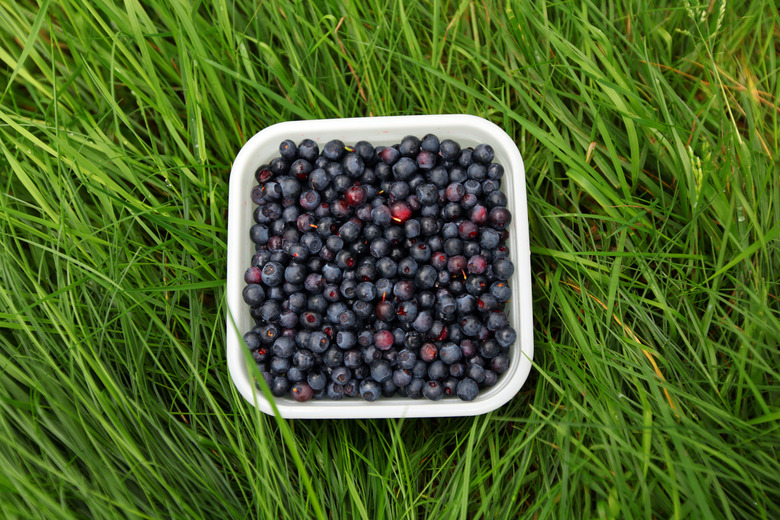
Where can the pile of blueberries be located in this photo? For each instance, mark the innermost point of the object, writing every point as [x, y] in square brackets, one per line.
[380, 270]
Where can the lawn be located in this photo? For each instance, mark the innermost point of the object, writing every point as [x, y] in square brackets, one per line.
[650, 134]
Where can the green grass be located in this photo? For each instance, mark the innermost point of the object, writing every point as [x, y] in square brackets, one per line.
[651, 140]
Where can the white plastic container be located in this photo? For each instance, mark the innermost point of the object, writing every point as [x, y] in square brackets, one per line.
[468, 131]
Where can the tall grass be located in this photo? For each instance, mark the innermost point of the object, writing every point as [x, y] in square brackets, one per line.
[650, 134]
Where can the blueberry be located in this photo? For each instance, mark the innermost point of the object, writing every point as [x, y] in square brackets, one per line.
[476, 284]
[318, 342]
[438, 370]
[499, 217]
[295, 273]
[407, 267]
[399, 190]
[490, 349]
[270, 310]
[465, 158]
[503, 268]
[308, 150]
[490, 186]
[386, 268]
[429, 226]
[483, 153]
[450, 353]
[380, 371]
[353, 165]
[346, 339]
[301, 169]
[477, 172]
[449, 386]
[423, 322]
[258, 233]
[476, 372]
[259, 259]
[351, 388]
[366, 291]
[410, 146]
[309, 199]
[314, 283]
[406, 359]
[295, 375]
[495, 171]
[404, 168]
[280, 386]
[333, 150]
[341, 375]
[501, 291]
[473, 187]
[334, 391]
[333, 357]
[402, 377]
[260, 355]
[490, 378]
[506, 336]
[468, 347]
[454, 333]
[455, 192]
[499, 364]
[379, 248]
[453, 246]
[457, 370]
[319, 179]
[275, 293]
[297, 302]
[349, 232]
[467, 389]
[303, 359]
[433, 390]
[253, 294]
[427, 194]
[468, 201]
[370, 390]
[347, 320]
[283, 347]
[331, 294]
[452, 211]
[388, 388]
[449, 149]
[496, 320]
[366, 270]
[407, 312]
[312, 242]
[316, 380]
[279, 366]
[489, 238]
[389, 155]
[381, 216]
[288, 319]
[252, 341]
[414, 388]
[412, 228]
[353, 358]
[456, 264]
[404, 290]
[430, 143]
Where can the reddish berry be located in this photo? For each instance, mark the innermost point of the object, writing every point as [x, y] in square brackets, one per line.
[383, 340]
[401, 212]
[355, 196]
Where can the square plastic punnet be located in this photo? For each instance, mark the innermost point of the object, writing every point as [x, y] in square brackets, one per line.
[468, 131]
